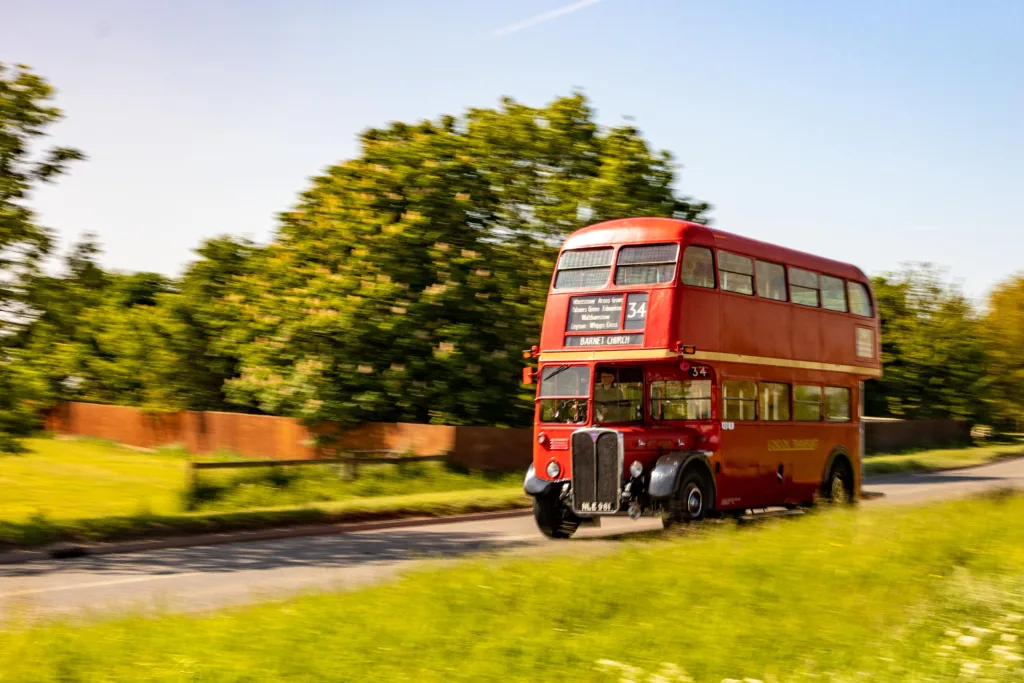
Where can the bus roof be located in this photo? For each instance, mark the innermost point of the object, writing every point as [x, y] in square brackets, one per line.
[650, 230]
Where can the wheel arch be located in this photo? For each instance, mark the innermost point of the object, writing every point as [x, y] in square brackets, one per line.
[840, 454]
[535, 486]
[670, 469]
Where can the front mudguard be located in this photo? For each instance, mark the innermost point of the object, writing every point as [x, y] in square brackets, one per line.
[535, 486]
[669, 469]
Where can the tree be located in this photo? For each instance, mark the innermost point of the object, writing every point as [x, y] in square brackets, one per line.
[1004, 327]
[201, 328]
[405, 282]
[933, 350]
[25, 114]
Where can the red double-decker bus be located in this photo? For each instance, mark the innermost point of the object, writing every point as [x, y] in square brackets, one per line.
[687, 372]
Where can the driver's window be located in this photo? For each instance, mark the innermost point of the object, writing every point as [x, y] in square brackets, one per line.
[618, 395]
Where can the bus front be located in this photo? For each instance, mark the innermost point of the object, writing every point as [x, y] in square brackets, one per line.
[615, 396]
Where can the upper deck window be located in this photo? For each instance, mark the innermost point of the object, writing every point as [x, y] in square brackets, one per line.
[833, 296]
[803, 287]
[736, 273]
[646, 265]
[771, 281]
[582, 268]
[860, 302]
[698, 267]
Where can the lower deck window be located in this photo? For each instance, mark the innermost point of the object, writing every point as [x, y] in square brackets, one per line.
[807, 403]
[774, 401]
[681, 400]
[563, 410]
[739, 399]
[837, 404]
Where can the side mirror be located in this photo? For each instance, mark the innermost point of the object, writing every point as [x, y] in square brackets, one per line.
[528, 375]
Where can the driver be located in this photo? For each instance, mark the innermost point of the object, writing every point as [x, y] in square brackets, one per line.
[610, 401]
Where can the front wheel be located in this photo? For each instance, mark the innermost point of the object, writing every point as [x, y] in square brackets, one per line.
[553, 518]
[694, 500]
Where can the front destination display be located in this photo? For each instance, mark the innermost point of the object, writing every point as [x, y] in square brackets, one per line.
[605, 340]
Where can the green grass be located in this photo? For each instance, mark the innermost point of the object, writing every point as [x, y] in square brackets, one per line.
[883, 594]
[70, 479]
[944, 458]
[89, 490]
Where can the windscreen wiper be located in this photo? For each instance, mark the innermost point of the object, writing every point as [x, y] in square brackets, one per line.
[561, 368]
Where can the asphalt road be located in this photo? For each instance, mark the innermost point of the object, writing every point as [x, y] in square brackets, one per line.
[201, 578]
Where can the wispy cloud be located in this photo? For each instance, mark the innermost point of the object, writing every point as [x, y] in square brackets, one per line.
[546, 16]
[923, 228]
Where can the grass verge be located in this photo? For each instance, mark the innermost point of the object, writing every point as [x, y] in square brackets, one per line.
[943, 458]
[87, 490]
[932, 593]
[41, 531]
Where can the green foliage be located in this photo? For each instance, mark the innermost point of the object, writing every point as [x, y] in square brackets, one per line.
[406, 281]
[1004, 328]
[933, 349]
[888, 594]
[25, 115]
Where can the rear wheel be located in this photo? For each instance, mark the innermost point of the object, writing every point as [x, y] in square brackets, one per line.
[838, 486]
[553, 518]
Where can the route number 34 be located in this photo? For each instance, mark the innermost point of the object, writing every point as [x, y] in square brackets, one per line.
[637, 309]
[698, 371]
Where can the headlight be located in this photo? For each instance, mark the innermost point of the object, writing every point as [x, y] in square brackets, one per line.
[554, 470]
[637, 468]
[542, 438]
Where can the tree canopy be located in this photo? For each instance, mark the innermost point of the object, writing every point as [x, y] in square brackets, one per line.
[406, 281]
[26, 111]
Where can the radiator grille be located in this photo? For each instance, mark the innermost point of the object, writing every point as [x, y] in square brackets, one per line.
[596, 471]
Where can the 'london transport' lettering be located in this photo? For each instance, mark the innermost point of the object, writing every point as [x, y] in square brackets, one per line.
[792, 444]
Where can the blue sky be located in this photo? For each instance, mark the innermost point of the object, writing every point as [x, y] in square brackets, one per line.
[875, 132]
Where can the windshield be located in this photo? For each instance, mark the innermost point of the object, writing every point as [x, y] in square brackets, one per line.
[563, 394]
[618, 395]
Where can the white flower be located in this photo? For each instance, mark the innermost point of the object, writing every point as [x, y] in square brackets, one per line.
[968, 641]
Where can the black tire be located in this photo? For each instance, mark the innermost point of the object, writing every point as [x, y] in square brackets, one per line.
[554, 519]
[694, 500]
[837, 489]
